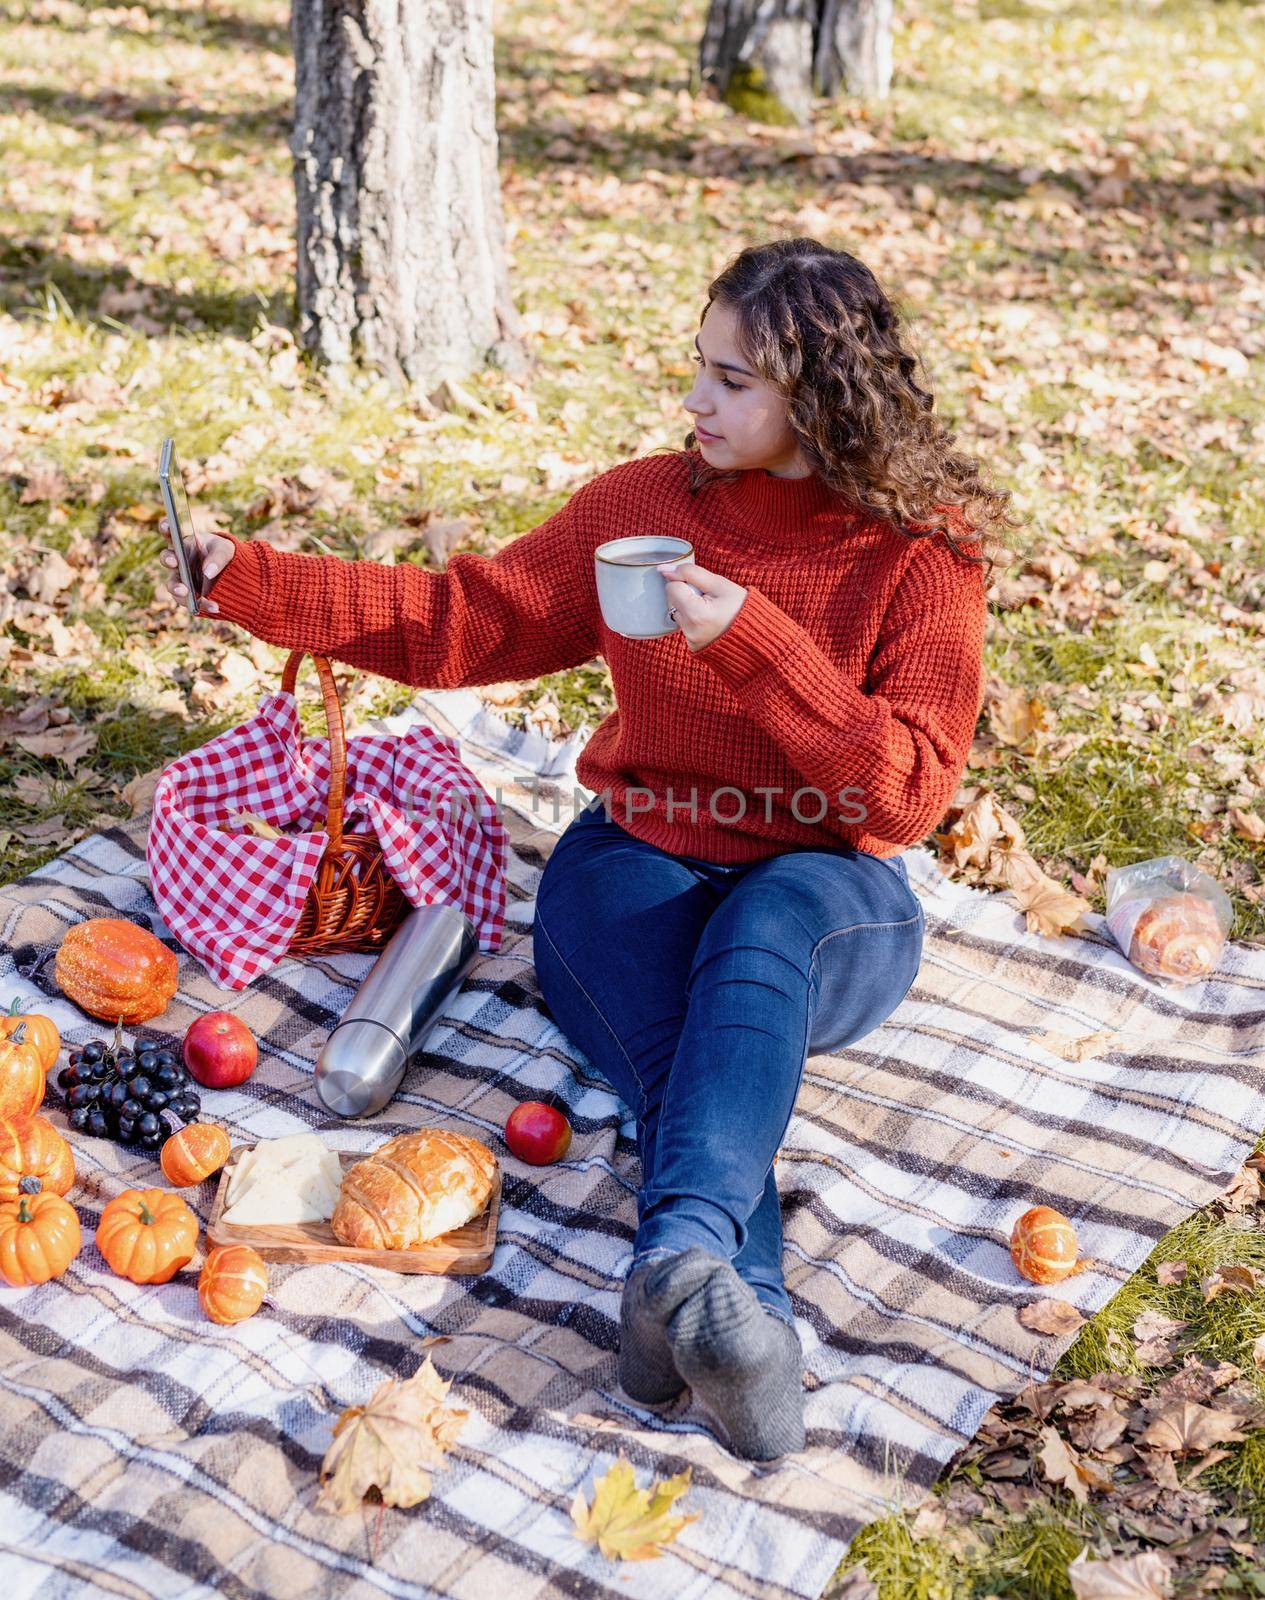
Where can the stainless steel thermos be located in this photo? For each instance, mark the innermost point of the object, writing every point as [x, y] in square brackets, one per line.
[364, 1059]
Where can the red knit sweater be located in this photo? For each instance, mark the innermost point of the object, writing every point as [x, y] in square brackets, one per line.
[847, 687]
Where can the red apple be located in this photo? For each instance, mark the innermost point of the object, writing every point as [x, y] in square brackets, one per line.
[220, 1050]
[537, 1133]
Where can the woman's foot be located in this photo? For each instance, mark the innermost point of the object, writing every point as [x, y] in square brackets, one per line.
[647, 1371]
[692, 1318]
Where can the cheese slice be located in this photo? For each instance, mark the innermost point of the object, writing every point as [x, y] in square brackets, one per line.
[296, 1153]
[288, 1196]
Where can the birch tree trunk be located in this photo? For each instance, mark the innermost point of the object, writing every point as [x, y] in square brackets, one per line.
[768, 57]
[401, 236]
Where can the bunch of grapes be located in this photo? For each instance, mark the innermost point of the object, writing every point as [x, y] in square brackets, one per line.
[128, 1095]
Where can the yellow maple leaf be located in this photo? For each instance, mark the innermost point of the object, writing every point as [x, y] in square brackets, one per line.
[389, 1444]
[627, 1521]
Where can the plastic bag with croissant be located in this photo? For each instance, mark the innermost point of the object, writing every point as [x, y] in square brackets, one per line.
[1169, 917]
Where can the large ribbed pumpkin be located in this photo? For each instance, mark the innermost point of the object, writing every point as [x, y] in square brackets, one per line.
[30, 1147]
[113, 968]
[1043, 1246]
[22, 1080]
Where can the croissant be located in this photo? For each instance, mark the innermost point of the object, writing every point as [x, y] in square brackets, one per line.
[1177, 936]
[413, 1188]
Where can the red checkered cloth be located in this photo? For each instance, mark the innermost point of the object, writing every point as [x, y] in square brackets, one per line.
[234, 900]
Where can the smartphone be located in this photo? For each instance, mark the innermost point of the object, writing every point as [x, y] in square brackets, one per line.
[180, 525]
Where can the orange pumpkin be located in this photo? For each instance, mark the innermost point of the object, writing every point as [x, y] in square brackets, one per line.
[22, 1080]
[41, 1031]
[1043, 1246]
[39, 1236]
[147, 1235]
[232, 1283]
[30, 1147]
[114, 969]
[194, 1153]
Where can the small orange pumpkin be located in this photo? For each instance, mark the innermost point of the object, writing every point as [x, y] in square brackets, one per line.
[232, 1283]
[39, 1236]
[147, 1235]
[22, 1079]
[1043, 1246]
[193, 1153]
[41, 1031]
[113, 968]
[31, 1147]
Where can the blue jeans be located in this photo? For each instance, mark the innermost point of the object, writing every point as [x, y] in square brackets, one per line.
[698, 992]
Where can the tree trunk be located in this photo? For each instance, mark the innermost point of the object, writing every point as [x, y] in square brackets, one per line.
[854, 48]
[767, 57]
[757, 55]
[401, 237]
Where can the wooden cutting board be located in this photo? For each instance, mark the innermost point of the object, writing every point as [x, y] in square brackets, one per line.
[464, 1251]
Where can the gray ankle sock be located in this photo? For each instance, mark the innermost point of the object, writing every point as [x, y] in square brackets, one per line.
[743, 1363]
[652, 1291]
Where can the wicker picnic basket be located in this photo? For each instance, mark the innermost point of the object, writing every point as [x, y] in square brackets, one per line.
[353, 902]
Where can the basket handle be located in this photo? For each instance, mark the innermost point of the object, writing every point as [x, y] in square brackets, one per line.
[337, 738]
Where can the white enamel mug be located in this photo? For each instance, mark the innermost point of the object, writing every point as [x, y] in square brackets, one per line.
[632, 594]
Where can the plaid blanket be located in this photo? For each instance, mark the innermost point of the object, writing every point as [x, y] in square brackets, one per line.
[147, 1452]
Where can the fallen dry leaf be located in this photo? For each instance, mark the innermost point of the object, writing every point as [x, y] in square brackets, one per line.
[69, 743]
[1230, 1280]
[139, 792]
[1184, 1425]
[1170, 1272]
[256, 825]
[1152, 1324]
[1052, 909]
[1244, 1189]
[1053, 1317]
[1086, 1047]
[1146, 1576]
[390, 1444]
[1062, 1464]
[985, 827]
[1015, 717]
[44, 482]
[1247, 825]
[627, 1522]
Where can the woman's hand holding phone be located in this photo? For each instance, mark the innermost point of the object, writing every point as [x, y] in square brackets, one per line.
[217, 552]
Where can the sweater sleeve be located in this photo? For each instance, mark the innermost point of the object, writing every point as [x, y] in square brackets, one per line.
[525, 611]
[898, 746]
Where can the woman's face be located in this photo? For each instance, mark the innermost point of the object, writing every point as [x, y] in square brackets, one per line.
[739, 420]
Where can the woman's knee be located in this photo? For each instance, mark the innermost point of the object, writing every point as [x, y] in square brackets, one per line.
[860, 977]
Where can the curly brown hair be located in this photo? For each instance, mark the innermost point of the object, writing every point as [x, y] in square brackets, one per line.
[816, 326]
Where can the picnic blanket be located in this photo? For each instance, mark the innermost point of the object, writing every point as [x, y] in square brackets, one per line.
[147, 1452]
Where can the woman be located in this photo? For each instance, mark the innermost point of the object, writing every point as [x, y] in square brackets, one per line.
[734, 898]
